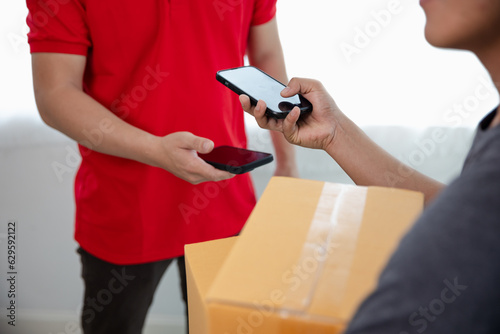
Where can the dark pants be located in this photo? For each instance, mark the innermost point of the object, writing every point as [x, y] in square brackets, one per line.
[117, 297]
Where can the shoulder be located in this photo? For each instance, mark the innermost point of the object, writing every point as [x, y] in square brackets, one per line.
[479, 184]
[264, 11]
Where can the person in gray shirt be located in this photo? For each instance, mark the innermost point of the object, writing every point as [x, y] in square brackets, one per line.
[444, 276]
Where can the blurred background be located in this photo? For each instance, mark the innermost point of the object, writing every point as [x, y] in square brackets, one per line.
[391, 76]
[418, 102]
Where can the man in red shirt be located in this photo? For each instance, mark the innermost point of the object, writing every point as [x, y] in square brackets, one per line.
[134, 84]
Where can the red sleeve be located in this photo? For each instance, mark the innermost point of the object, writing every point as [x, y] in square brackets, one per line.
[264, 11]
[57, 26]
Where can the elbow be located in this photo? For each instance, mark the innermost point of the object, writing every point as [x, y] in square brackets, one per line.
[46, 118]
[43, 109]
[260, 59]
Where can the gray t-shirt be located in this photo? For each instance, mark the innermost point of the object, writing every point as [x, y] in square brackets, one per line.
[445, 275]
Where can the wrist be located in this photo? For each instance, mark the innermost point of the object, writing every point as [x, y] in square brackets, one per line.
[341, 138]
[150, 150]
[285, 159]
[286, 165]
[287, 169]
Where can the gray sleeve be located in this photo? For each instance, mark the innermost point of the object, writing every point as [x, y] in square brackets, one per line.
[445, 275]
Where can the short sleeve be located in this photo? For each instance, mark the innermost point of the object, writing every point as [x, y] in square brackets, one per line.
[57, 26]
[264, 11]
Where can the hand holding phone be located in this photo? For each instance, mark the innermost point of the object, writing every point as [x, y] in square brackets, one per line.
[258, 85]
[236, 160]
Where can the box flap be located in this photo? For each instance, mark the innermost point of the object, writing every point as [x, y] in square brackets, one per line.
[314, 249]
[203, 261]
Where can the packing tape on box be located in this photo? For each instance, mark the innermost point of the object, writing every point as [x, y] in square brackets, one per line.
[330, 245]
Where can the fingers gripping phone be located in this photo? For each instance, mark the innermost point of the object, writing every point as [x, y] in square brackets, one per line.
[258, 85]
[236, 160]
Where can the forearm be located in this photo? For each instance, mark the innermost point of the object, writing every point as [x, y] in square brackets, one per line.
[62, 103]
[273, 64]
[68, 109]
[265, 52]
[285, 155]
[368, 164]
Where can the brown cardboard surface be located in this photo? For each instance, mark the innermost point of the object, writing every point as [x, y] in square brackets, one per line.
[273, 238]
[387, 216]
[203, 261]
[289, 272]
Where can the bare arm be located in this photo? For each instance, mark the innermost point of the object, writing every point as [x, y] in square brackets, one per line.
[265, 52]
[368, 164]
[63, 105]
[329, 129]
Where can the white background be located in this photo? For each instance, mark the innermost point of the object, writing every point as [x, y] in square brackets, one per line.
[397, 79]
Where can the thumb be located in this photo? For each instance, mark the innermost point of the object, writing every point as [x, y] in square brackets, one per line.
[202, 145]
[290, 123]
[299, 86]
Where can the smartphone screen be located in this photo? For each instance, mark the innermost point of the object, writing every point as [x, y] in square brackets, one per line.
[236, 160]
[258, 85]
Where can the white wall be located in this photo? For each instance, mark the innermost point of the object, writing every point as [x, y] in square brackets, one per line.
[395, 76]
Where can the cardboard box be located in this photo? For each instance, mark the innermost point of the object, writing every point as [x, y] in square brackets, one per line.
[308, 255]
[203, 262]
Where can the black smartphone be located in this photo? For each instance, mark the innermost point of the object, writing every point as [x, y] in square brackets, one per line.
[258, 85]
[236, 160]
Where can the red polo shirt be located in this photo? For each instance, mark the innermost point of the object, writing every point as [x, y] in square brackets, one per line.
[153, 63]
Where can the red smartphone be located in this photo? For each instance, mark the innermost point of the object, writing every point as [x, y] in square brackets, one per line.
[236, 160]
